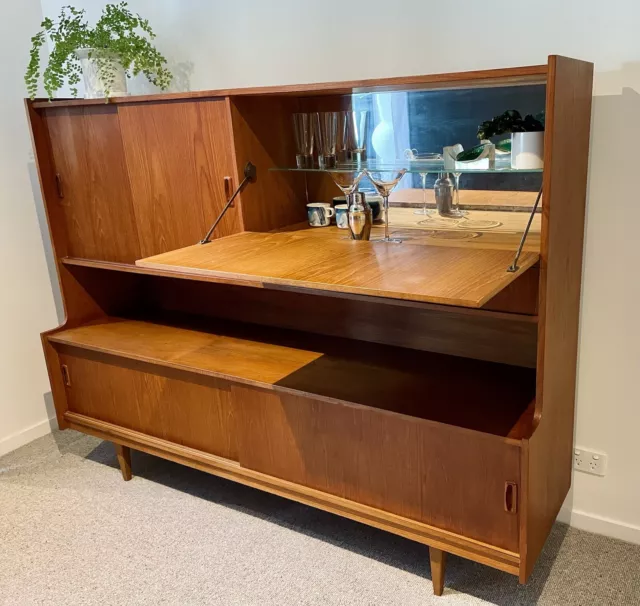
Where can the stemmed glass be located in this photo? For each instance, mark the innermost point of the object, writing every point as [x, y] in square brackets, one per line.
[385, 181]
[413, 156]
[347, 180]
[455, 211]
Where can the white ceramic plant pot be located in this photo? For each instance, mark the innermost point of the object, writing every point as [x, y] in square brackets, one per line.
[527, 150]
[93, 85]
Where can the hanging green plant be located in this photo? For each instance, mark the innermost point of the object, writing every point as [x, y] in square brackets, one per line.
[119, 38]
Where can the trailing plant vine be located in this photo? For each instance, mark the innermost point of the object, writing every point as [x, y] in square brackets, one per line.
[119, 36]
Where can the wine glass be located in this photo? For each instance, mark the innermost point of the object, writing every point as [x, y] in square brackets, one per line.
[385, 181]
[420, 159]
[455, 211]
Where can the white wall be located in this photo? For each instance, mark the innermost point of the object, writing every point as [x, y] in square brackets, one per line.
[26, 301]
[253, 42]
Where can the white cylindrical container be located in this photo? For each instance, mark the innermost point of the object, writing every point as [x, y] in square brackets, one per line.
[93, 85]
[527, 150]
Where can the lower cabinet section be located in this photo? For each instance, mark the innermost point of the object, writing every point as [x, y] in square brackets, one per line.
[185, 408]
[454, 479]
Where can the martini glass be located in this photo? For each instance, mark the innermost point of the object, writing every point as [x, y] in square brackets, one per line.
[385, 181]
[347, 180]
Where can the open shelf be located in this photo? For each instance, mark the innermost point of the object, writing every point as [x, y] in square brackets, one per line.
[416, 167]
[460, 276]
[483, 396]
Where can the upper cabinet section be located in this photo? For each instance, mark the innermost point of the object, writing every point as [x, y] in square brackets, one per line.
[141, 179]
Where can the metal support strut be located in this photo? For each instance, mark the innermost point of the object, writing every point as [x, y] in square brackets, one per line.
[514, 266]
[249, 175]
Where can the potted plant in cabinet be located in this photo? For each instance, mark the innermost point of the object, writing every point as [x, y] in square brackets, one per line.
[527, 137]
[117, 47]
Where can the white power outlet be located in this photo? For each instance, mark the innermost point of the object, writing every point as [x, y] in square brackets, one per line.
[589, 461]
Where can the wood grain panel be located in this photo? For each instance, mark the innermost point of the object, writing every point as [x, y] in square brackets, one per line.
[492, 398]
[510, 339]
[178, 155]
[193, 411]
[263, 135]
[548, 455]
[502, 559]
[404, 466]
[434, 274]
[89, 159]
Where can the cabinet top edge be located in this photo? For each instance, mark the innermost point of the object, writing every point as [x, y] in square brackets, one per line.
[534, 74]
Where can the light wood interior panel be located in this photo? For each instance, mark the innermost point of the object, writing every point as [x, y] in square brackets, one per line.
[191, 410]
[94, 185]
[401, 465]
[493, 398]
[510, 339]
[178, 155]
[434, 274]
[263, 135]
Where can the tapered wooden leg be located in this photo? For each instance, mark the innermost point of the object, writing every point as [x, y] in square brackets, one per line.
[438, 560]
[124, 459]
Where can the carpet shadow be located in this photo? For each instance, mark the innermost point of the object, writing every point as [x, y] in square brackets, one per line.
[463, 576]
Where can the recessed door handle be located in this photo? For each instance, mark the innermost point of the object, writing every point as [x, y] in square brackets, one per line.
[66, 378]
[228, 190]
[59, 186]
[511, 497]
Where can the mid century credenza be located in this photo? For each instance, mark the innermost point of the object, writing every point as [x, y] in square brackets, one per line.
[421, 388]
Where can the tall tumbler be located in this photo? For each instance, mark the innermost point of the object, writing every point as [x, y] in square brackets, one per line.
[343, 145]
[358, 126]
[304, 131]
[326, 138]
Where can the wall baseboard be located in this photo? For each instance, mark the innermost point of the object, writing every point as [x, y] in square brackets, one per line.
[26, 435]
[600, 525]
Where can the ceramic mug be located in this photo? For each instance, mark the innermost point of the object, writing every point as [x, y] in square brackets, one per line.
[375, 202]
[319, 214]
[342, 216]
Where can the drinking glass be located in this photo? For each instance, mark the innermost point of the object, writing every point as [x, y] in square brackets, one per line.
[422, 162]
[303, 130]
[347, 180]
[326, 138]
[342, 146]
[358, 124]
[385, 181]
[455, 211]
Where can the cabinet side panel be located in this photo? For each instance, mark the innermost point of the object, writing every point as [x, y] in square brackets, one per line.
[569, 93]
[263, 134]
[178, 155]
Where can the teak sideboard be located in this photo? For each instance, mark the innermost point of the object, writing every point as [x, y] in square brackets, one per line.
[430, 393]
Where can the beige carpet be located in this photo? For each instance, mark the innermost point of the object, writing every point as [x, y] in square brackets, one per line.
[72, 532]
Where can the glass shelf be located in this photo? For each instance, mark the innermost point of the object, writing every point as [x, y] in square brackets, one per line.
[415, 167]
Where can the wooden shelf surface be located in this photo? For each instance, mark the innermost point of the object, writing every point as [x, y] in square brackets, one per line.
[434, 274]
[483, 396]
[533, 74]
